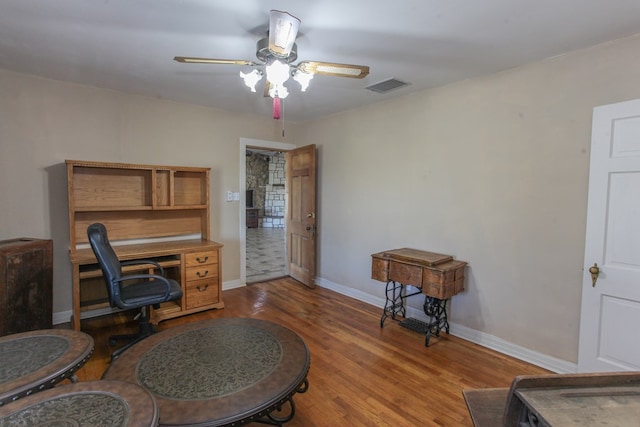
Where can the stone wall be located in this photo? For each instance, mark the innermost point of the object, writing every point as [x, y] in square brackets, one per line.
[257, 178]
[265, 175]
[275, 197]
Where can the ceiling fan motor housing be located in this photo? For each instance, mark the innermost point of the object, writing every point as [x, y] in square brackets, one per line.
[265, 55]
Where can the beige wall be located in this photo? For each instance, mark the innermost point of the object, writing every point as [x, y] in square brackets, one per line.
[43, 122]
[492, 170]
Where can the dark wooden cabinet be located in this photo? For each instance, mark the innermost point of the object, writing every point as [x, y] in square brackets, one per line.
[26, 278]
[252, 217]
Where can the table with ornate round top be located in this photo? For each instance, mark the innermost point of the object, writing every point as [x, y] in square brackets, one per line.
[37, 360]
[89, 403]
[219, 372]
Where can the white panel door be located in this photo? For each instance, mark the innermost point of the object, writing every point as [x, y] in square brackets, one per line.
[610, 314]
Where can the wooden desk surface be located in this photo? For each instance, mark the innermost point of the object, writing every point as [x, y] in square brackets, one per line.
[141, 250]
[414, 256]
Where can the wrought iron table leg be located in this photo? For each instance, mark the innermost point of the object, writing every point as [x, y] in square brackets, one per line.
[394, 303]
[436, 309]
[278, 416]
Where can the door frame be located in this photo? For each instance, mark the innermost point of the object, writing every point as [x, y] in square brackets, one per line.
[244, 144]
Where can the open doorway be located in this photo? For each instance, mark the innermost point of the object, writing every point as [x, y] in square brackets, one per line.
[262, 213]
[265, 198]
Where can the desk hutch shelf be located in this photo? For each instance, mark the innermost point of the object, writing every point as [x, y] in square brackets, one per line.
[150, 212]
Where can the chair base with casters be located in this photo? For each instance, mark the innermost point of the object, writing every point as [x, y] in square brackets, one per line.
[139, 291]
[145, 329]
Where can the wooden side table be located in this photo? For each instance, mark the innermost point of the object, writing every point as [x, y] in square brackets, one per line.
[219, 372]
[37, 360]
[89, 403]
[437, 276]
[252, 217]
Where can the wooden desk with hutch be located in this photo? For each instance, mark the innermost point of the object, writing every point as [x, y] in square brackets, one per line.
[150, 212]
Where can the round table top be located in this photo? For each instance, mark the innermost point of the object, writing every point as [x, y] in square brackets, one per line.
[216, 372]
[89, 403]
[36, 360]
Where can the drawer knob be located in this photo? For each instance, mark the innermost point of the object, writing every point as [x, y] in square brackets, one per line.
[206, 273]
[202, 288]
[202, 260]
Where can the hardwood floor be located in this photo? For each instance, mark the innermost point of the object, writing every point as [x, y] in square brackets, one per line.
[361, 375]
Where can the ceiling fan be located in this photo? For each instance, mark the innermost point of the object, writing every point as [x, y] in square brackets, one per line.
[276, 53]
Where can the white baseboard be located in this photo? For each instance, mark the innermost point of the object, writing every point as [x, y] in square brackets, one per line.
[233, 284]
[65, 316]
[478, 337]
[505, 347]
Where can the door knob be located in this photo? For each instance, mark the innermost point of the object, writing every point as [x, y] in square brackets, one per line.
[595, 272]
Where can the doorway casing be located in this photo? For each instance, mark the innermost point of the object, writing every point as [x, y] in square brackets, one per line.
[244, 144]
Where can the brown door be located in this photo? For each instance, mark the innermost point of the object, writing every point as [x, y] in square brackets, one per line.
[301, 214]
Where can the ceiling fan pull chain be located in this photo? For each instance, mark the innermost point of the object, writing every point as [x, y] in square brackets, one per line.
[276, 108]
[282, 111]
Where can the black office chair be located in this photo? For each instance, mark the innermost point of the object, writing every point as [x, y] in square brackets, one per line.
[131, 291]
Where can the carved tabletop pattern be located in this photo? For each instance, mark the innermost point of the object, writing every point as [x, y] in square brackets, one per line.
[94, 409]
[23, 356]
[88, 403]
[210, 362]
[37, 360]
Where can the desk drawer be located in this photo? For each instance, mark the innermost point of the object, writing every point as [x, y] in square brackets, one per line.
[209, 272]
[405, 274]
[444, 280]
[380, 269]
[201, 293]
[201, 258]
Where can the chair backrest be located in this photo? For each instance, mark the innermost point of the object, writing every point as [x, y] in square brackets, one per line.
[107, 258]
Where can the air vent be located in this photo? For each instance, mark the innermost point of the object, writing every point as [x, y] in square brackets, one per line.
[387, 85]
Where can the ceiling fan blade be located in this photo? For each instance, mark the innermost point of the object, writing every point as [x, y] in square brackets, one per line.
[334, 69]
[190, 60]
[283, 30]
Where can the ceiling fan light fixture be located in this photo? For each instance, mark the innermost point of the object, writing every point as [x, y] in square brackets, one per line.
[251, 79]
[278, 91]
[277, 72]
[302, 78]
[283, 30]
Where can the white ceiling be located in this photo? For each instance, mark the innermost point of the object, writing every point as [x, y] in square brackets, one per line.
[129, 45]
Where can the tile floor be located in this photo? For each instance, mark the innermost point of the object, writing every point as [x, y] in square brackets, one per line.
[265, 254]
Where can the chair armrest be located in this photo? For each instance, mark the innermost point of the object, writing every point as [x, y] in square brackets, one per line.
[148, 276]
[143, 261]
